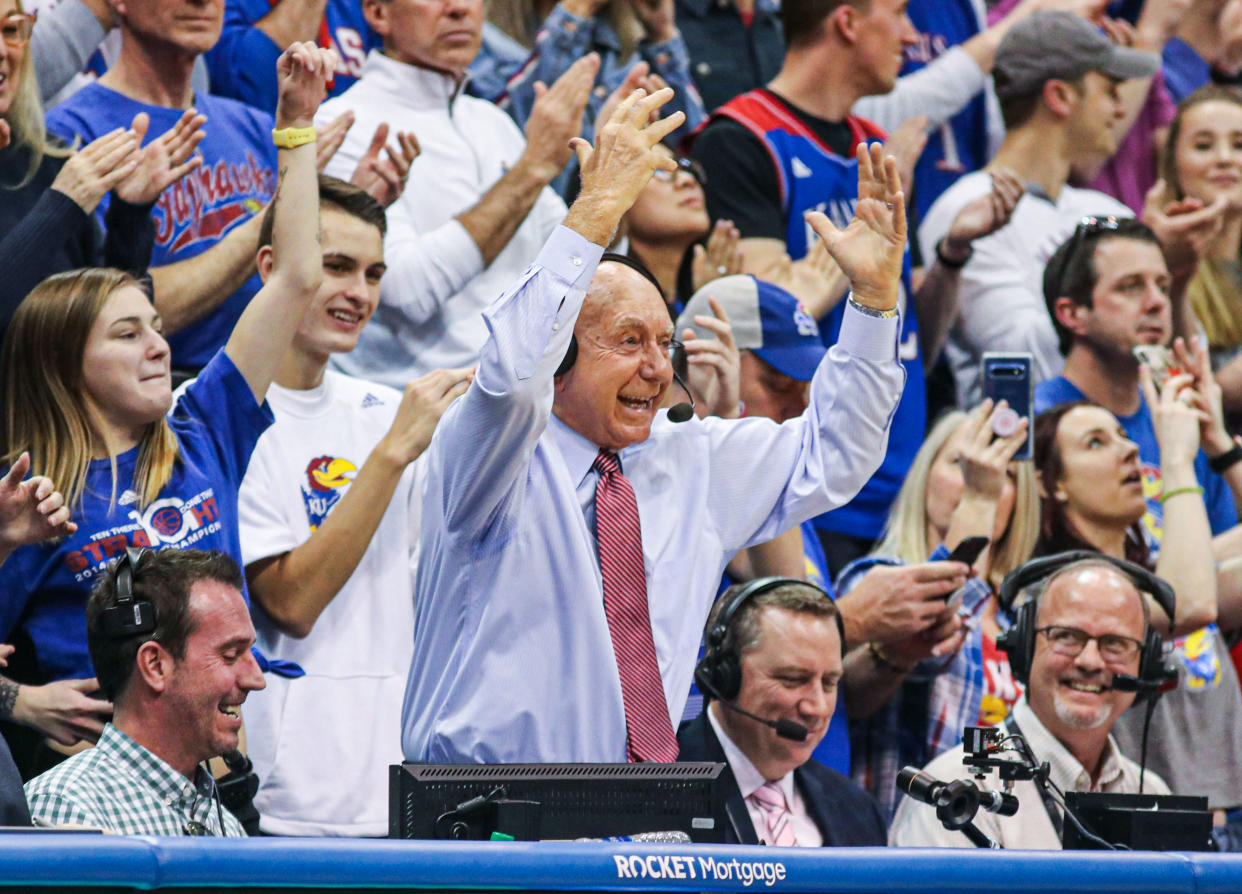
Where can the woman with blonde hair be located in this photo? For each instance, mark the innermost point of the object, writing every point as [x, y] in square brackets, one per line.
[49, 193]
[88, 395]
[1203, 161]
[911, 692]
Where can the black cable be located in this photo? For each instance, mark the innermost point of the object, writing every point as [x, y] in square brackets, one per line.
[1151, 710]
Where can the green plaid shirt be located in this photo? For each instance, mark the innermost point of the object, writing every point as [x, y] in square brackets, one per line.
[121, 787]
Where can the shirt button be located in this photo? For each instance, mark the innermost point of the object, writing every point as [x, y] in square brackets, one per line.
[577, 262]
[556, 327]
[702, 70]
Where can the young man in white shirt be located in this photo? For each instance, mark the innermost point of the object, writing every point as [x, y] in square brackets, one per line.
[329, 514]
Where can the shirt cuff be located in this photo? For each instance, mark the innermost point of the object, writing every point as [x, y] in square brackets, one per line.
[570, 256]
[868, 337]
[667, 55]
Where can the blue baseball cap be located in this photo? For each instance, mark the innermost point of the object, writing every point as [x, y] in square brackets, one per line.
[765, 319]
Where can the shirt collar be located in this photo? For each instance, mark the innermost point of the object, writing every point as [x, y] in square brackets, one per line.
[164, 781]
[748, 777]
[1065, 771]
[578, 452]
[411, 85]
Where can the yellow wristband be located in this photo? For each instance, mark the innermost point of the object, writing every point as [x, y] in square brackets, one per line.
[1170, 494]
[293, 137]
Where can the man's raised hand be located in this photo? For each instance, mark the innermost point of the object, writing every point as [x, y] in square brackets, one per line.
[302, 75]
[870, 251]
[621, 163]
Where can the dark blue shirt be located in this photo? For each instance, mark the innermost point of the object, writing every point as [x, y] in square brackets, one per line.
[237, 178]
[44, 587]
[1222, 513]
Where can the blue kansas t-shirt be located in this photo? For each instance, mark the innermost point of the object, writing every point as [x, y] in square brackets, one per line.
[1222, 514]
[236, 179]
[44, 587]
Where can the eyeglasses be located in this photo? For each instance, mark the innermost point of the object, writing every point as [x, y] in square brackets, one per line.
[633, 345]
[689, 165]
[1070, 641]
[15, 29]
[1088, 226]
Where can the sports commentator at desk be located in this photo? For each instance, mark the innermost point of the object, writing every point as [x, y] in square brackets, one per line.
[774, 653]
[573, 533]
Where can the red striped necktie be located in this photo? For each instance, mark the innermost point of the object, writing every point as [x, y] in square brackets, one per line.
[651, 735]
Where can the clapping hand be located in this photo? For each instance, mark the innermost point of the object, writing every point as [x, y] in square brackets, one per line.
[556, 118]
[385, 178]
[715, 363]
[92, 171]
[1184, 226]
[32, 510]
[722, 255]
[871, 250]
[328, 139]
[164, 160]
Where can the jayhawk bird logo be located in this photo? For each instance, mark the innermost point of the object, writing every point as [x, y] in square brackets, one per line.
[326, 476]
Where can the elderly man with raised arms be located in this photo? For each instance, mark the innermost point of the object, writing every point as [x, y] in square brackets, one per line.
[573, 533]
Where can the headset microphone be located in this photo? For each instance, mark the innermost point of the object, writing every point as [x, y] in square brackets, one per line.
[786, 729]
[1131, 683]
[683, 411]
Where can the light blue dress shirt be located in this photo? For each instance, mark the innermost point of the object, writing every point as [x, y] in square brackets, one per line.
[512, 657]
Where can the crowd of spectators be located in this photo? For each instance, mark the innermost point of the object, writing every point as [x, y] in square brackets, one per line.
[505, 336]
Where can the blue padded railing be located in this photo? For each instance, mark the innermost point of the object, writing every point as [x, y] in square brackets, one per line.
[28, 861]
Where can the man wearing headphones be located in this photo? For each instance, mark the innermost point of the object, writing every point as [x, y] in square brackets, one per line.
[771, 671]
[170, 636]
[1076, 646]
[573, 533]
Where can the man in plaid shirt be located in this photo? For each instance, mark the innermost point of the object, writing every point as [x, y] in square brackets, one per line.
[177, 691]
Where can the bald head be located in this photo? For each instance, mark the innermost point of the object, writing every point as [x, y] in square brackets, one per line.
[624, 331]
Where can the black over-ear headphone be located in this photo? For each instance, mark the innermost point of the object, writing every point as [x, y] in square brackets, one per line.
[1019, 640]
[130, 616]
[719, 671]
[571, 353]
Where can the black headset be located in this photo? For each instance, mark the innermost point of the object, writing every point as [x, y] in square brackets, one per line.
[571, 353]
[1019, 640]
[130, 616]
[719, 671]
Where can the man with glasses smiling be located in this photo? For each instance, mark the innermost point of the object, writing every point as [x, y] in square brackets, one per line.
[1090, 625]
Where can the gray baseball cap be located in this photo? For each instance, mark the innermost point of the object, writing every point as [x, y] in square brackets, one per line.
[765, 319]
[1049, 46]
